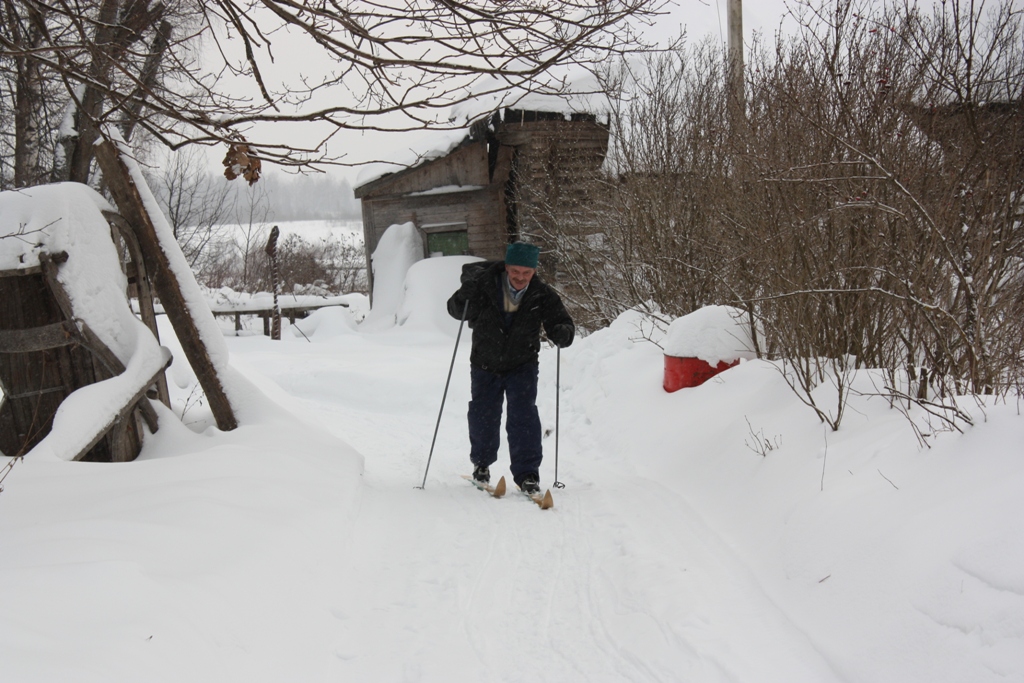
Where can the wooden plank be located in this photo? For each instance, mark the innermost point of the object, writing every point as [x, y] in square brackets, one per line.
[131, 206]
[145, 292]
[86, 336]
[139, 399]
[289, 311]
[52, 336]
[18, 272]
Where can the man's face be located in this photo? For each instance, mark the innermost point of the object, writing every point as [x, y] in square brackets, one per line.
[520, 276]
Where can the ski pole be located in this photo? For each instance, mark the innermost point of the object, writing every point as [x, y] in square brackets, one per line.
[558, 393]
[465, 309]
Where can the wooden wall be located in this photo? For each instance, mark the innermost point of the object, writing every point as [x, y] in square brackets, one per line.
[556, 164]
[482, 211]
[41, 363]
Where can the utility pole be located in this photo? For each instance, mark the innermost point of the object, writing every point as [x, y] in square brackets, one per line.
[737, 101]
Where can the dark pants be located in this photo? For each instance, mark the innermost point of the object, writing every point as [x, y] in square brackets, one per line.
[522, 425]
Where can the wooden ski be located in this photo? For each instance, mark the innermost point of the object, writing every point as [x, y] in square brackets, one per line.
[497, 490]
[544, 500]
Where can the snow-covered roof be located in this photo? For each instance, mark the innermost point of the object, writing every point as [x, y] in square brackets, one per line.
[416, 149]
[579, 93]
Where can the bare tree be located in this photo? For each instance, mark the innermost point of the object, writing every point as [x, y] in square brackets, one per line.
[249, 241]
[182, 71]
[196, 203]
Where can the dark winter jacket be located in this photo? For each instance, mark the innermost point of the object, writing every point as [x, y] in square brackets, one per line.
[498, 347]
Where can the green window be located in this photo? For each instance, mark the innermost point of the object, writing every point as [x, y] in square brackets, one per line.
[454, 243]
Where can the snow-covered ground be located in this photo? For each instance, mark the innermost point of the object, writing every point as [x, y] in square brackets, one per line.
[298, 548]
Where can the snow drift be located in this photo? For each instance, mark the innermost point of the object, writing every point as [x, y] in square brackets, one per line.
[712, 535]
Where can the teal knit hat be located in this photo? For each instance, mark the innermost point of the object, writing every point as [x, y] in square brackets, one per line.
[522, 254]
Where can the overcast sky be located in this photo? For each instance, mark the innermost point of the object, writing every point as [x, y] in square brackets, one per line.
[704, 17]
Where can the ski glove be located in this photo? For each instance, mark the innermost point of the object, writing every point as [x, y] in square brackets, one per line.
[562, 335]
[470, 283]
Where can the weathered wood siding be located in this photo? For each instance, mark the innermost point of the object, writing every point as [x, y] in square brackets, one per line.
[553, 158]
[555, 167]
[393, 199]
[36, 380]
[481, 211]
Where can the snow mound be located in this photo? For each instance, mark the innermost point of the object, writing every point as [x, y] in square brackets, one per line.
[41, 219]
[326, 323]
[409, 291]
[713, 334]
[428, 285]
[400, 246]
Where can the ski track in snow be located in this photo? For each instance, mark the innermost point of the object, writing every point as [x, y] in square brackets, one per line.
[498, 589]
[674, 553]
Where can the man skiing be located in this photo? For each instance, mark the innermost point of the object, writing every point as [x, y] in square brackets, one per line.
[505, 304]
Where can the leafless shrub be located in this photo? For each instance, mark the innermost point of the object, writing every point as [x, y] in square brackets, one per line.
[901, 188]
[868, 211]
[6, 469]
[326, 266]
[329, 265]
[759, 443]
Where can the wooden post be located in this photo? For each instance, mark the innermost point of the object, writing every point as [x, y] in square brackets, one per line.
[131, 206]
[736, 100]
[275, 282]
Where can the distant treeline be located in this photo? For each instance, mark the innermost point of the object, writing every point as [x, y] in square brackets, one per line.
[304, 197]
[195, 197]
[300, 197]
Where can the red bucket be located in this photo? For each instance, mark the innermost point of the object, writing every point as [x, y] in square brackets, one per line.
[690, 372]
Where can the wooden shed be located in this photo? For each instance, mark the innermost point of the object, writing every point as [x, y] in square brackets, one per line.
[494, 187]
